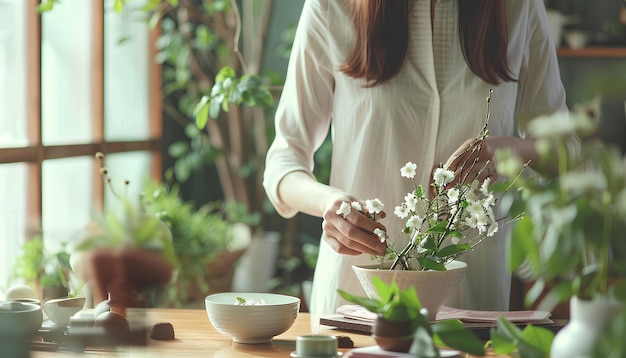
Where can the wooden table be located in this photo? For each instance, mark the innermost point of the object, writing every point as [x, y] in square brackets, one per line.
[196, 337]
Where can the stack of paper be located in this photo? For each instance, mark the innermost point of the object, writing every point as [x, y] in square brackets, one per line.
[445, 312]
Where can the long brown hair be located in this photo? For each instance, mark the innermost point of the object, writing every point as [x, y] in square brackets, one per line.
[483, 31]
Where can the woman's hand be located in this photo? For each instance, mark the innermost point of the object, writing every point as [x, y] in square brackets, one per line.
[354, 234]
[475, 160]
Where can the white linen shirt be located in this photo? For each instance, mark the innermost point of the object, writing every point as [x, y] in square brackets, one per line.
[422, 115]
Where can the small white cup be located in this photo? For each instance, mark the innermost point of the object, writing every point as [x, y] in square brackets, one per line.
[316, 346]
[576, 39]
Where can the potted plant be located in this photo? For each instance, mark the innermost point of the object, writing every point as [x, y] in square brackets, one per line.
[403, 325]
[570, 236]
[123, 251]
[441, 224]
[207, 242]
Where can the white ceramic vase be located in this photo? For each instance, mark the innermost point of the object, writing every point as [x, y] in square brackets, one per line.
[433, 288]
[588, 320]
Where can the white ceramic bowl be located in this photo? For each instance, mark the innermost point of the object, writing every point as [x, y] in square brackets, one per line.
[252, 324]
[433, 288]
[60, 310]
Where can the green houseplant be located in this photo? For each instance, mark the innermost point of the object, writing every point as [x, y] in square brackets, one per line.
[207, 242]
[570, 236]
[47, 271]
[401, 309]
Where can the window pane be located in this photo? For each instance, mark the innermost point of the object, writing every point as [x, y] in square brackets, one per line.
[66, 73]
[13, 73]
[67, 199]
[13, 179]
[131, 166]
[126, 70]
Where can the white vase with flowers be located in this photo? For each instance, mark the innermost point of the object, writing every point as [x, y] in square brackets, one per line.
[442, 223]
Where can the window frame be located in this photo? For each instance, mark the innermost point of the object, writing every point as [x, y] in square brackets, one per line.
[35, 153]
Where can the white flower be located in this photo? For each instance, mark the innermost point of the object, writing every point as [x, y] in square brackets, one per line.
[493, 228]
[410, 201]
[344, 209]
[382, 235]
[484, 188]
[356, 205]
[453, 195]
[489, 201]
[481, 218]
[401, 211]
[471, 221]
[414, 221]
[408, 170]
[474, 207]
[455, 240]
[443, 176]
[374, 206]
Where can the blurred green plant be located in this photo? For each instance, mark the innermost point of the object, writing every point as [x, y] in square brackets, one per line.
[40, 268]
[199, 235]
[531, 342]
[571, 230]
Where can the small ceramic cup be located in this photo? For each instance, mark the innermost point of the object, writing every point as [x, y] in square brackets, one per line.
[316, 346]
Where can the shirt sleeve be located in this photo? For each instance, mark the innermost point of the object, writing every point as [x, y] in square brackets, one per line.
[541, 90]
[304, 111]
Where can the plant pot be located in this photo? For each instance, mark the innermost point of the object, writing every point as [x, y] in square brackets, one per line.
[588, 321]
[392, 335]
[433, 288]
[218, 276]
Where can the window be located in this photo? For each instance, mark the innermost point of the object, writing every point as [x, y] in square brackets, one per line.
[74, 81]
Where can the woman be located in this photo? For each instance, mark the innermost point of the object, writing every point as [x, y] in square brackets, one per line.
[400, 81]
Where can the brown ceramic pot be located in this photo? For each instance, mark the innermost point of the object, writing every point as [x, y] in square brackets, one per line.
[392, 335]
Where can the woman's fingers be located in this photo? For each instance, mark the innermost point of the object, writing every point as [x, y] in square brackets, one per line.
[352, 234]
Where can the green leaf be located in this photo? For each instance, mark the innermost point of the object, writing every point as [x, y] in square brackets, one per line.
[118, 6]
[201, 112]
[45, 6]
[453, 250]
[539, 337]
[453, 334]
[441, 227]
[429, 264]
[215, 106]
[371, 305]
[385, 292]
[517, 249]
[225, 73]
[178, 149]
[501, 343]
[174, 3]
[154, 21]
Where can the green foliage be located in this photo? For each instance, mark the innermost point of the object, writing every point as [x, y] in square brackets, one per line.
[46, 5]
[36, 266]
[611, 344]
[132, 227]
[231, 90]
[399, 305]
[198, 234]
[531, 342]
[393, 304]
[572, 226]
[190, 155]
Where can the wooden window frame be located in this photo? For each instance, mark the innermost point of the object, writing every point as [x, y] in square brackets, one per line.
[36, 152]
